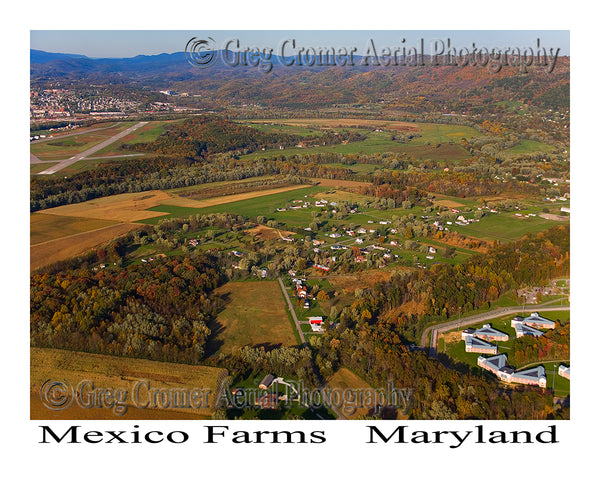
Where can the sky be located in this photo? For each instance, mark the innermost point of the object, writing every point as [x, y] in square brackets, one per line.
[129, 43]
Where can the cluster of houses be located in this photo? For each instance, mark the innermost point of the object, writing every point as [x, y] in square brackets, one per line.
[478, 341]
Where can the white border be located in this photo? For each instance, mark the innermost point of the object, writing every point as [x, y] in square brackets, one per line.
[343, 454]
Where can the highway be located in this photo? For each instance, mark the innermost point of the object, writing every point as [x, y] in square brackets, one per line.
[480, 317]
[80, 156]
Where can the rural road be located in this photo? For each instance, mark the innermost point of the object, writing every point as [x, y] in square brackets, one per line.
[480, 317]
[293, 312]
[80, 156]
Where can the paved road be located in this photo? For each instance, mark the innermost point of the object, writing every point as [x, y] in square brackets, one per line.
[109, 157]
[82, 132]
[291, 307]
[480, 317]
[80, 156]
[34, 159]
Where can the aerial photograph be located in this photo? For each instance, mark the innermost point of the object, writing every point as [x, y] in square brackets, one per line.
[299, 225]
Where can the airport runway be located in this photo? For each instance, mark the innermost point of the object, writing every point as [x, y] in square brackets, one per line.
[80, 156]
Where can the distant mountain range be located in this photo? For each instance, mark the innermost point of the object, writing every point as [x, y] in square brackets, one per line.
[456, 88]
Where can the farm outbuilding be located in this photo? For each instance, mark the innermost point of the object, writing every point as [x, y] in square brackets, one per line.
[266, 382]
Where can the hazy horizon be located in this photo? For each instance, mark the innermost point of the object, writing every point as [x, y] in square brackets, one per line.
[131, 43]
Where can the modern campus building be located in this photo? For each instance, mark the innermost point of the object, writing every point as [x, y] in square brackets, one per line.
[477, 340]
[523, 330]
[534, 320]
[488, 333]
[564, 371]
[498, 366]
[477, 345]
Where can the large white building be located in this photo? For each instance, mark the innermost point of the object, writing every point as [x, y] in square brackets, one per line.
[564, 371]
[498, 366]
[477, 345]
[529, 325]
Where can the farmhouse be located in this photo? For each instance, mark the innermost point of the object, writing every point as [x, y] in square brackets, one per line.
[564, 371]
[266, 382]
[267, 401]
[321, 267]
[316, 323]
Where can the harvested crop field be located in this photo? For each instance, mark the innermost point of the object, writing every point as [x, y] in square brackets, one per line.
[134, 377]
[254, 314]
[448, 203]
[52, 251]
[45, 227]
[349, 283]
[327, 182]
[126, 207]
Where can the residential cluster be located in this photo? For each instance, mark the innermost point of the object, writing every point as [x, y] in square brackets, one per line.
[60, 103]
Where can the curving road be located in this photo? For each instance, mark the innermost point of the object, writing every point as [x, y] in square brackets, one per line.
[435, 330]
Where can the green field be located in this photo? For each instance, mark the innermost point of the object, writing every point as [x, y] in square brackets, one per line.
[505, 227]
[437, 141]
[148, 133]
[530, 146]
[61, 148]
[40, 167]
[265, 205]
[442, 133]
[246, 321]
